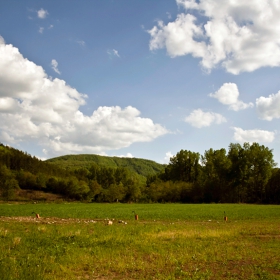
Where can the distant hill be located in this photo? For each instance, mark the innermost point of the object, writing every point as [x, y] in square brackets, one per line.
[23, 177]
[143, 167]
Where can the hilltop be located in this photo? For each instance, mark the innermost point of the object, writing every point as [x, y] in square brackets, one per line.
[143, 167]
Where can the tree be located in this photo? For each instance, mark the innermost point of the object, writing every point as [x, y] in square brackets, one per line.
[132, 189]
[261, 163]
[273, 187]
[239, 172]
[106, 177]
[95, 189]
[251, 169]
[183, 167]
[10, 186]
[216, 166]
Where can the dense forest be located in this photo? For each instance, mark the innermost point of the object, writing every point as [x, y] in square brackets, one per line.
[244, 174]
[140, 167]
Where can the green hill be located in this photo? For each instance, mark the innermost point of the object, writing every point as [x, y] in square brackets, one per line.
[78, 177]
[142, 167]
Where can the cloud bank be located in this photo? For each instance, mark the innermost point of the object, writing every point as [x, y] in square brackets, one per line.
[36, 108]
[240, 36]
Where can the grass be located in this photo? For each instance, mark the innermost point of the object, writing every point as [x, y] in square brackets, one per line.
[170, 241]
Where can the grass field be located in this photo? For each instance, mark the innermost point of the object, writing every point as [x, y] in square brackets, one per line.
[169, 241]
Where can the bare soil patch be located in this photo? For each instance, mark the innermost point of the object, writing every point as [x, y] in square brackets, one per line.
[49, 220]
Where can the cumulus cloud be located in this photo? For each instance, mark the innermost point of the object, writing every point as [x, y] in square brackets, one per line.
[228, 94]
[199, 119]
[254, 135]
[269, 107]
[42, 13]
[54, 66]
[36, 108]
[239, 36]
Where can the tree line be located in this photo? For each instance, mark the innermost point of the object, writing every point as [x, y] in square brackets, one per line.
[245, 174]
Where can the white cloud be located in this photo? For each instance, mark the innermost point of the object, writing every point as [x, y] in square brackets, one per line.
[41, 30]
[254, 135]
[116, 53]
[178, 36]
[167, 157]
[269, 107]
[190, 4]
[54, 66]
[199, 119]
[2, 41]
[36, 109]
[128, 155]
[42, 13]
[228, 94]
[81, 43]
[238, 35]
[113, 53]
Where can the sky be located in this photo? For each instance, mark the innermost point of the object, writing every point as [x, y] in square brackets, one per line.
[139, 78]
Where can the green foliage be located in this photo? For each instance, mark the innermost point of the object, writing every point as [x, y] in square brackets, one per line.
[183, 167]
[242, 175]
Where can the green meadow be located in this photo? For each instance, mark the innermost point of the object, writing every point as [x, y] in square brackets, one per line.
[169, 241]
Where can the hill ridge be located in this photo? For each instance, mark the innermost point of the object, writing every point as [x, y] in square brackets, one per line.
[141, 166]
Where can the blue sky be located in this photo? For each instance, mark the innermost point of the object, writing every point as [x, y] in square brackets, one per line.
[138, 78]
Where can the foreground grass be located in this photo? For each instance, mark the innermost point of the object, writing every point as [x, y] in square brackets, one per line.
[168, 242]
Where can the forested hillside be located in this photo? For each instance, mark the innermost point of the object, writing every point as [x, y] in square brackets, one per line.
[245, 174]
[83, 181]
[142, 167]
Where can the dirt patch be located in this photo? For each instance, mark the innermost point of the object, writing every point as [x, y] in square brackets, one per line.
[50, 220]
[33, 195]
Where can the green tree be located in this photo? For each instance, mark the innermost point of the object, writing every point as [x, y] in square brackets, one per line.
[216, 166]
[261, 164]
[132, 189]
[106, 177]
[239, 172]
[10, 186]
[95, 189]
[183, 167]
[273, 187]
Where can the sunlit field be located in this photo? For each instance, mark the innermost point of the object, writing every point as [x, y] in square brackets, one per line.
[169, 241]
